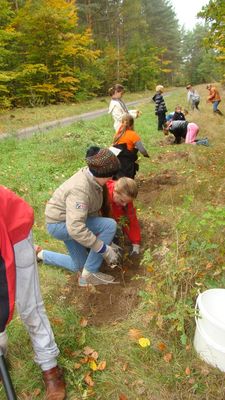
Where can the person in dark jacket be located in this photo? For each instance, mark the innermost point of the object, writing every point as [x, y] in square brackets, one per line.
[177, 128]
[19, 281]
[160, 106]
[178, 114]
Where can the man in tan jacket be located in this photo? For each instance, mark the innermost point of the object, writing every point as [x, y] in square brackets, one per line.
[72, 215]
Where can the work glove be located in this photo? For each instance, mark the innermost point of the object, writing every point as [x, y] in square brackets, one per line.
[111, 256]
[135, 250]
[3, 343]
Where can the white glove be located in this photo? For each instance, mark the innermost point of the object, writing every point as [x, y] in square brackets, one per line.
[111, 256]
[135, 249]
[3, 343]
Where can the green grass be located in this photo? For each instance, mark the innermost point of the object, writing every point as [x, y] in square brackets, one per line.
[188, 256]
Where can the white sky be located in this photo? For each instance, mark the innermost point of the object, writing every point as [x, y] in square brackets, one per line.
[186, 11]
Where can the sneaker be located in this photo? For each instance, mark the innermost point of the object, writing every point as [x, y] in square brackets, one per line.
[97, 278]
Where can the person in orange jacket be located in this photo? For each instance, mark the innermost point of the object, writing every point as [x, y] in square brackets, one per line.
[19, 282]
[129, 142]
[214, 98]
[118, 203]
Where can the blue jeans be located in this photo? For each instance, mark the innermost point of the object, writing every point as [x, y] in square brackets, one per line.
[215, 105]
[79, 256]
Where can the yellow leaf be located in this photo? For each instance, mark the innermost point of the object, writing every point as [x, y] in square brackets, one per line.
[93, 365]
[144, 342]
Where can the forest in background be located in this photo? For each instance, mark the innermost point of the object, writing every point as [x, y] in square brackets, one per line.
[69, 51]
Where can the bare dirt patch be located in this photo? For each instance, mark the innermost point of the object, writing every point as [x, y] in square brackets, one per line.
[174, 155]
[151, 186]
[111, 303]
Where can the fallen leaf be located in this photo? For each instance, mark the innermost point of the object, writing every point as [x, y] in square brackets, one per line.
[88, 351]
[144, 342]
[77, 365]
[94, 355]
[88, 380]
[84, 360]
[93, 365]
[168, 357]
[161, 346]
[123, 397]
[102, 365]
[36, 393]
[191, 381]
[57, 321]
[150, 268]
[83, 322]
[159, 321]
[135, 334]
[187, 371]
[124, 367]
[209, 265]
[205, 371]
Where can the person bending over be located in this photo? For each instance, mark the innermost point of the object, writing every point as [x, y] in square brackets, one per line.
[118, 204]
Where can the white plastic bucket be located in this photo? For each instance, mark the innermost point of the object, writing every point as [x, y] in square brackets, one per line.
[209, 340]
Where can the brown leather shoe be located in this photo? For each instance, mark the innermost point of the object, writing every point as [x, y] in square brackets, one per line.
[54, 384]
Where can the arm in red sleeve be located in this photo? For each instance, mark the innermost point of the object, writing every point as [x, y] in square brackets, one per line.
[132, 230]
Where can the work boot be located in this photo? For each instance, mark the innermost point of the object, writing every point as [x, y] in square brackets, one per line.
[54, 384]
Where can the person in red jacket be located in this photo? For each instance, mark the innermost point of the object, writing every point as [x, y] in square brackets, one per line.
[119, 204]
[19, 282]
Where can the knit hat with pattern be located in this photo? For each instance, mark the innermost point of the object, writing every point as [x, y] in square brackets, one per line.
[102, 162]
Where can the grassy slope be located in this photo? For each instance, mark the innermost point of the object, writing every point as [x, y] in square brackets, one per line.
[35, 167]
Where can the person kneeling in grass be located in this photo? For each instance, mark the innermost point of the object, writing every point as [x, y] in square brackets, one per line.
[72, 215]
[184, 130]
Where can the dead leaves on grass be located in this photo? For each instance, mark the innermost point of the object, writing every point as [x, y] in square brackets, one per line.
[90, 359]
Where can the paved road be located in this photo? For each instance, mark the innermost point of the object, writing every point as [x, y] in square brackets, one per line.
[46, 126]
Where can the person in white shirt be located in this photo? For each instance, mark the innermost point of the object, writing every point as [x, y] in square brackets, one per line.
[193, 97]
[117, 107]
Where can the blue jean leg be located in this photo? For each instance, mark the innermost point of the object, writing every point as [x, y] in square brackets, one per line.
[79, 257]
[215, 105]
[105, 229]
